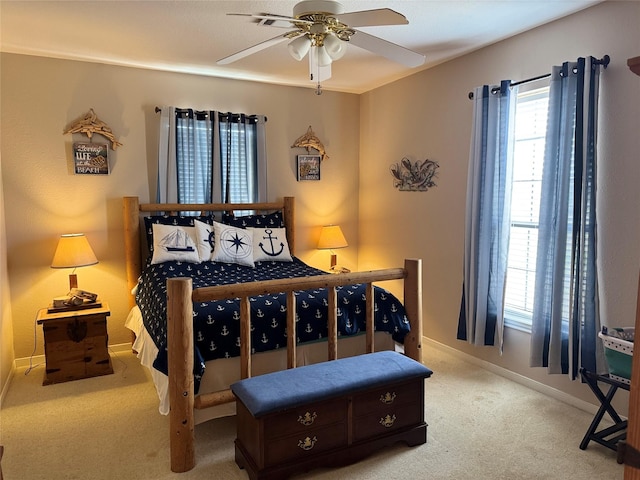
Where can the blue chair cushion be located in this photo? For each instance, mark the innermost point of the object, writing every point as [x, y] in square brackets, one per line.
[274, 392]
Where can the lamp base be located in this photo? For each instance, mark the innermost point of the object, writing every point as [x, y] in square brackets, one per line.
[73, 281]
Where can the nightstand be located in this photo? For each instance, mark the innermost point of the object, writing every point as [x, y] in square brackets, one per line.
[75, 343]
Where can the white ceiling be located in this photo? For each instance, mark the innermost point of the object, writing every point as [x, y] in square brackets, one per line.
[190, 36]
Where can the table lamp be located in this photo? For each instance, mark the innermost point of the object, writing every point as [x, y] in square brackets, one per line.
[73, 251]
[331, 237]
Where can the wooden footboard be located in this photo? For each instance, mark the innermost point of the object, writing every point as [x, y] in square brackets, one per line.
[181, 296]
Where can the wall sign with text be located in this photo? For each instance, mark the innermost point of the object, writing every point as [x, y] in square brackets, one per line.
[308, 167]
[91, 158]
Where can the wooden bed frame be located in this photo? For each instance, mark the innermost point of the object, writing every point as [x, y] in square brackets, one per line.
[181, 295]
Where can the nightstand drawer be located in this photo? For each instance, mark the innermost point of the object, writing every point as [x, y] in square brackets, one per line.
[75, 329]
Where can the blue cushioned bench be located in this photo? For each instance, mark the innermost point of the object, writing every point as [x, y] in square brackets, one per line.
[330, 413]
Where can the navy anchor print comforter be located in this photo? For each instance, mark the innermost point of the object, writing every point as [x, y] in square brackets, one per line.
[217, 326]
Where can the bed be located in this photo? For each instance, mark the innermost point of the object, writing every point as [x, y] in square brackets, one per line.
[201, 325]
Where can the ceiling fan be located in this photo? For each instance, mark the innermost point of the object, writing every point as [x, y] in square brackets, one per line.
[321, 29]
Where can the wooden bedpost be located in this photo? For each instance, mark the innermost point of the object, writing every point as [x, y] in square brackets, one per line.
[180, 360]
[413, 306]
[131, 208]
[289, 218]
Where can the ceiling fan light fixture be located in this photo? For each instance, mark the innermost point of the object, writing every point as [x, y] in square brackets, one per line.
[323, 57]
[299, 47]
[335, 47]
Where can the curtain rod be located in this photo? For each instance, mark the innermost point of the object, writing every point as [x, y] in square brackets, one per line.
[603, 61]
[158, 110]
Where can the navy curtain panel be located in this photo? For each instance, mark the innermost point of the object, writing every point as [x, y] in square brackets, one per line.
[566, 319]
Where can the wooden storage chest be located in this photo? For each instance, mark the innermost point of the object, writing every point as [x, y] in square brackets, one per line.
[325, 419]
[75, 344]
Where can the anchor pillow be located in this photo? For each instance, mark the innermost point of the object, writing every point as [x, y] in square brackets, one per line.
[270, 244]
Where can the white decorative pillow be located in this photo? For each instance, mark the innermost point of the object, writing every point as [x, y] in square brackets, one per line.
[174, 243]
[270, 244]
[232, 245]
[204, 240]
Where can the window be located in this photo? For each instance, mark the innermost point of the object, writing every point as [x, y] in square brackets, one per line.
[220, 157]
[194, 157]
[238, 145]
[530, 131]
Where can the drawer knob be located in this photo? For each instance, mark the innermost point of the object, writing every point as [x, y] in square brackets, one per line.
[388, 398]
[388, 421]
[307, 443]
[308, 418]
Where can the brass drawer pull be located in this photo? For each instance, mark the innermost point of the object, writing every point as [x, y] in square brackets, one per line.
[307, 419]
[388, 398]
[388, 421]
[307, 443]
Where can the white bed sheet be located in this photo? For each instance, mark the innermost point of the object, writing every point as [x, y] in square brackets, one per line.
[219, 374]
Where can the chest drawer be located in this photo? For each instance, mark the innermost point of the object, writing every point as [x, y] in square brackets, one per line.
[387, 420]
[386, 399]
[303, 419]
[305, 445]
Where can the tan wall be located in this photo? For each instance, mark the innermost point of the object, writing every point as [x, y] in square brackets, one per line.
[44, 199]
[423, 116]
[6, 325]
[428, 115]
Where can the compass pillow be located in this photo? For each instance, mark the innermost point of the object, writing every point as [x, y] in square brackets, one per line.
[174, 243]
[204, 240]
[232, 245]
[270, 244]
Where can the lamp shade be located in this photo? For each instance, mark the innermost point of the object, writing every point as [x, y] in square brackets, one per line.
[73, 251]
[331, 236]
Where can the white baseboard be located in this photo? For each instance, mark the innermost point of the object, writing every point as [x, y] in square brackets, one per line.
[516, 377]
[5, 387]
[503, 372]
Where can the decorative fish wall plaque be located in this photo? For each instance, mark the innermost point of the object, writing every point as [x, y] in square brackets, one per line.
[308, 141]
[90, 124]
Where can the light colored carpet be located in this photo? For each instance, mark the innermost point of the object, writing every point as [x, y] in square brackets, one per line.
[481, 426]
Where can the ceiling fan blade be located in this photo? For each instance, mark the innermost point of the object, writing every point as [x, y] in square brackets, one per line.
[272, 20]
[372, 18]
[387, 49]
[254, 49]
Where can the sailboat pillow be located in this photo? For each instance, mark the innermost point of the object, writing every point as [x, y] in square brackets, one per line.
[174, 243]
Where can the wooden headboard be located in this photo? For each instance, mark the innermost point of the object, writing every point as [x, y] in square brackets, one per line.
[134, 232]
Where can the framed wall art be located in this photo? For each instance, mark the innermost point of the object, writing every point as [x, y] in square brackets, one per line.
[91, 158]
[308, 167]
